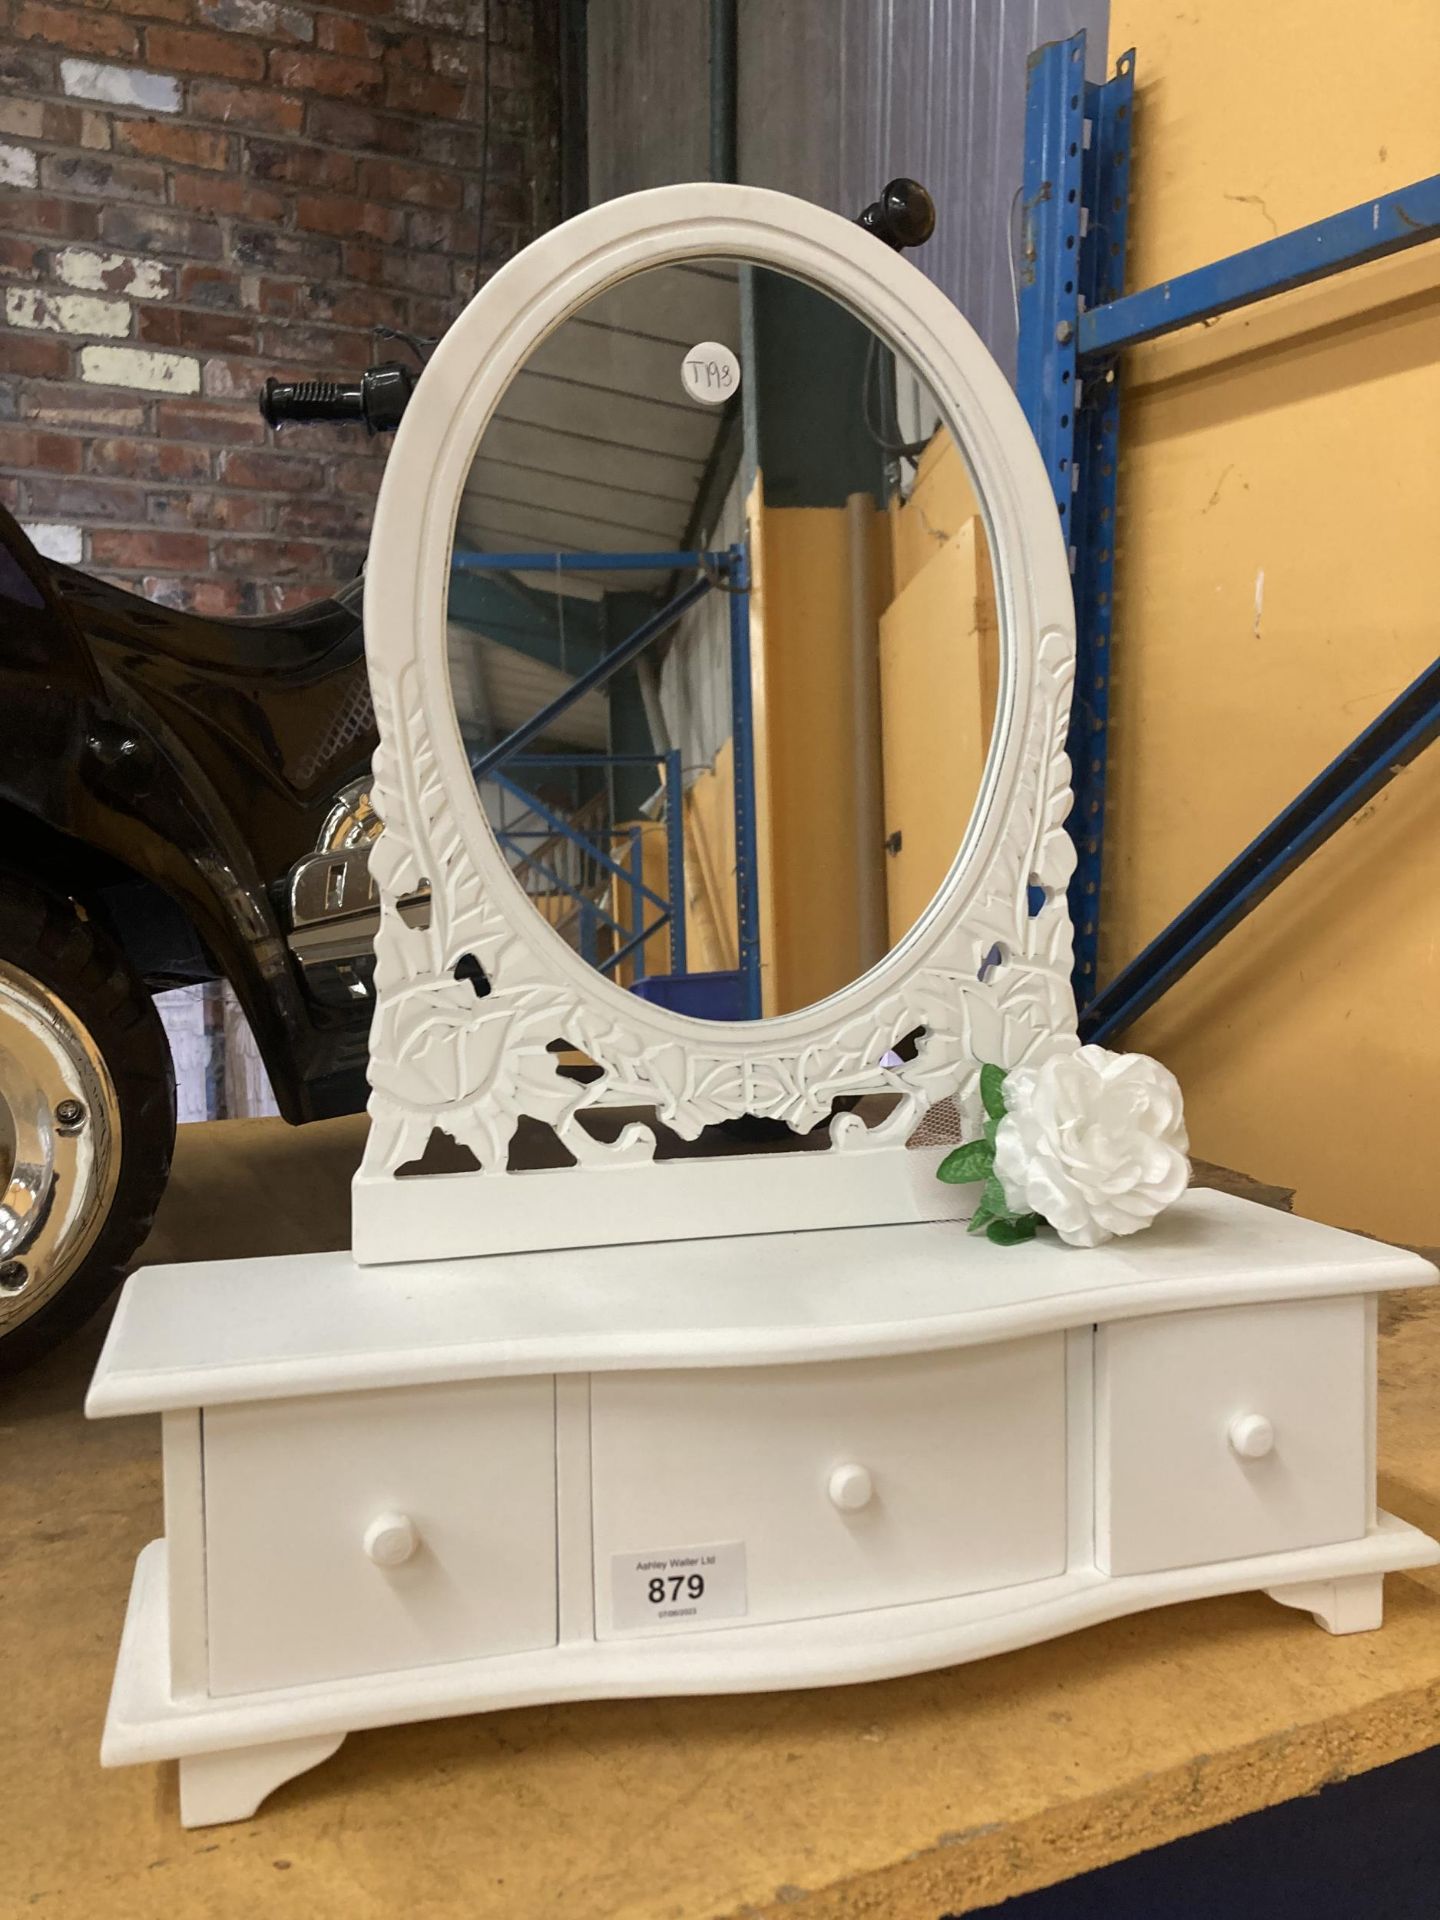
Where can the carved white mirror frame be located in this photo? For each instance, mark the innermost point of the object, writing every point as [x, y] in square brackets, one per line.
[985, 972]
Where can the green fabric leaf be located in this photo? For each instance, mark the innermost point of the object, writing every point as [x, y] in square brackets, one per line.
[970, 1162]
[992, 1127]
[993, 1200]
[979, 1220]
[992, 1081]
[1010, 1233]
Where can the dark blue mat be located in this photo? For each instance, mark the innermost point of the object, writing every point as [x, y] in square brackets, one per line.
[1364, 1849]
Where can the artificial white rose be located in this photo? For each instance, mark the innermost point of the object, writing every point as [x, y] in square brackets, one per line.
[1093, 1141]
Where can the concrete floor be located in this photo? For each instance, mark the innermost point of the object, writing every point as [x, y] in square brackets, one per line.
[897, 1801]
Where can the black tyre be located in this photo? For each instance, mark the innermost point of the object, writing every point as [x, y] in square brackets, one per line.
[87, 1119]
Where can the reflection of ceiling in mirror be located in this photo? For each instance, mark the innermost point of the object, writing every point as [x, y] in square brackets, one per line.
[594, 446]
[498, 687]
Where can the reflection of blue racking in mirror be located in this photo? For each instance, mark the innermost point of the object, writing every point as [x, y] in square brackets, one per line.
[575, 854]
[703, 827]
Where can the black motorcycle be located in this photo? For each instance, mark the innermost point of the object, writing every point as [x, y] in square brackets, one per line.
[181, 799]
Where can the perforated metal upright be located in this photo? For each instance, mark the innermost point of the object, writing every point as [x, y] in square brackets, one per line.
[1072, 258]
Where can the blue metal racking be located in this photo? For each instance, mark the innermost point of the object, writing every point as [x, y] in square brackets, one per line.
[727, 571]
[595, 848]
[1075, 324]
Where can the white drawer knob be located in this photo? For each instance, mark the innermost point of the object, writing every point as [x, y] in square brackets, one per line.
[390, 1539]
[1251, 1435]
[851, 1487]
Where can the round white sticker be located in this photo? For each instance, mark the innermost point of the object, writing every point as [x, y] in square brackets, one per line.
[710, 373]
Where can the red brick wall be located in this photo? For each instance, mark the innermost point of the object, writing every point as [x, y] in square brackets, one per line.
[197, 193]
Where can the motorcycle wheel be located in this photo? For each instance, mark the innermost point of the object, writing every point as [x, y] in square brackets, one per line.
[87, 1119]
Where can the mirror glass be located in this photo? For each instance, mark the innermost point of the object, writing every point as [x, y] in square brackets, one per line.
[722, 638]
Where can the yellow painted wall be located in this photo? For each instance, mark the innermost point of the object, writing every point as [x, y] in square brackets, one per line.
[938, 672]
[804, 748]
[711, 939]
[940, 502]
[939, 662]
[939, 676]
[620, 898]
[1278, 583]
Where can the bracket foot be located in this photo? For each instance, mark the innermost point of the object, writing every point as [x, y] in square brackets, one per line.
[1353, 1605]
[216, 1787]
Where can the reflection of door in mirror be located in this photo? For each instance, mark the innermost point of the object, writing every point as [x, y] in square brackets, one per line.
[722, 639]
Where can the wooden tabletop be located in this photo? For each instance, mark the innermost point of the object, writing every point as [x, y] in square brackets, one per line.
[901, 1800]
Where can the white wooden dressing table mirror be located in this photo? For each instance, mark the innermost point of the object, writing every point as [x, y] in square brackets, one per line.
[662, 1361]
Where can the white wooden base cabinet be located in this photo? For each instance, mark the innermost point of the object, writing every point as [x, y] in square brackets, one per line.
[789, 1460]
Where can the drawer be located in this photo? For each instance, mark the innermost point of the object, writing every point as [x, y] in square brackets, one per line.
[1231, 1432]
[308, 1577]
[826, 1488]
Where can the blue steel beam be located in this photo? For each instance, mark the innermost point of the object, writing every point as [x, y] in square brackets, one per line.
[568, 831]
[1403, 730]
[593, 677]
[1407, 218]
[670, 768]
[510, 843]
[612, 960]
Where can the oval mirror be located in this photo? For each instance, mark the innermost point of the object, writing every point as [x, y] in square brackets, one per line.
[722, 638]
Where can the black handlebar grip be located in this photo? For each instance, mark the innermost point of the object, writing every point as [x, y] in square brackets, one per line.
[903, 216]
[378, 399]
[286, 401]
